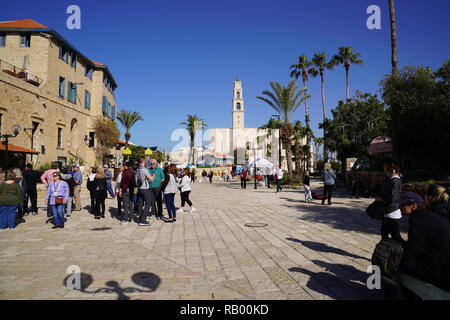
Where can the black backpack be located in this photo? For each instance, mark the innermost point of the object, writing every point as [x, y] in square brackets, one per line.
[387, 256]
[136, 181]
[376, 210]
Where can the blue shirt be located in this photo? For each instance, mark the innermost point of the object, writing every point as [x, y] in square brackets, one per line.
[57, 190]
[77, 175]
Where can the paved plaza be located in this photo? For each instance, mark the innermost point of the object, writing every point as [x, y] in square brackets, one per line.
[306, 251]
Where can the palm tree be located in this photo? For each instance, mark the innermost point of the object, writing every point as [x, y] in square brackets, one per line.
[346, 57]
[394, 57]
[193, 124]
[269, 128]
[128, 120]
[285, 100]
[300, 132]
[301, 69]
[320, 62]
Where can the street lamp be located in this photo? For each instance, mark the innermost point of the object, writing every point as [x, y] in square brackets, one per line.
[16, 129]
[254, 164]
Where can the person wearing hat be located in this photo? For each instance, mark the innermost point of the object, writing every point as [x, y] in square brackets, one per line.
[109, 176]
[427, 251]
[78, 177]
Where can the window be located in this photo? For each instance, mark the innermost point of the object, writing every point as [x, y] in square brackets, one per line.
[2, 40]
[113, 112]
[59, 141]
[238, 95]
[1, 122]
[25, 40]
[73, 61]
[72, 92]
[87, 99]
[104, 105]
[238, 106]
[62, 85]
[42, 149]
[88, 72]
[91, 139]
[64, 54]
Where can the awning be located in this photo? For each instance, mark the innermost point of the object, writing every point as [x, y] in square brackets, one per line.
[380, 145]
[16, 149]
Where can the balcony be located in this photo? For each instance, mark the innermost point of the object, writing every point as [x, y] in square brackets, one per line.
[20, 73]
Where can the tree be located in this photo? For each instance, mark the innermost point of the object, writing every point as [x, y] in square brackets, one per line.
[320, 62]
[394, 58]
[285, 100]
[347, 57]
[418, 102]
[355, 124]
[193, 124]
[301, 152]
[271, 125]
[107, 136]
[128, 120]
[301, 69]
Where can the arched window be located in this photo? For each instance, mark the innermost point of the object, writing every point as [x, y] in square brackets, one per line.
[238, 106]
[238, 95]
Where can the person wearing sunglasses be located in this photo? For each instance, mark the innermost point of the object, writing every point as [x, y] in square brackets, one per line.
[57, 197]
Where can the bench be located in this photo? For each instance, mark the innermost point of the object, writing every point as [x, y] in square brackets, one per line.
[424, 290]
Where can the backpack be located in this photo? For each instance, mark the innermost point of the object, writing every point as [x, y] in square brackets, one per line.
[388, 256]
[137, 182]
[376, 210]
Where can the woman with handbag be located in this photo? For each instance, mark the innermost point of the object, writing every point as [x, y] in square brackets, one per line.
[57, 196]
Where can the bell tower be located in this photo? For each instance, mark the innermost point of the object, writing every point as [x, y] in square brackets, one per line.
[238, 105]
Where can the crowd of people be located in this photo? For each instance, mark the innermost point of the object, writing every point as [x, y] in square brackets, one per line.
[140, 190]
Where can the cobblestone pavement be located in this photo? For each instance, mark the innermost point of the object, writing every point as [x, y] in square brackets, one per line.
[306, 251]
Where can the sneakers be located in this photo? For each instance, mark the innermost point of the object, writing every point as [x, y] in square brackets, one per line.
[193, 209]
[34, 213]
[124, 222]
[145, 223]
[180, 210]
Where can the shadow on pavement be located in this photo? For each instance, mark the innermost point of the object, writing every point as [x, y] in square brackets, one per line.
[146, 280]
[339, 281]
[322, 247]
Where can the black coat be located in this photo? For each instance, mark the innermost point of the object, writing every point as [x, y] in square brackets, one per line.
[427, 252]
[99, 187]
[31, 177]
[390, 193]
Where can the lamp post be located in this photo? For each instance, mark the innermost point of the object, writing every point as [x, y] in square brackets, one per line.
[16, 129]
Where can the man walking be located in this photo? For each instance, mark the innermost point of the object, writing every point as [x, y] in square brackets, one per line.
[145, 195]
[109, 176]
[155, 187]
[278, 176]
[31, 178]
[126, 192]
[78, 177]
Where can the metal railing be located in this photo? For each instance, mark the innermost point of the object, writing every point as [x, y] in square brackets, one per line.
[20, 73]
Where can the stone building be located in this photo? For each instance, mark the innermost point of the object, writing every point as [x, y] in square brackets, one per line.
[53, 91]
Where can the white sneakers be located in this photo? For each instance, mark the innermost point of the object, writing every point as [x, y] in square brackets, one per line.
[180, 210]
[193, 209]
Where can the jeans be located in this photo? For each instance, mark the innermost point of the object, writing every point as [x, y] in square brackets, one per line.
[110, 190]
[7, 216]
[308, 195]
[243, 183]
[391, 227]
[157, 195]
[185, 198]
[145, 196]
[279, 188]
[170, 204]
[119, 204]
[127, 206]
[69, 206]
[32, 196]
[58, 214]
[327, 193]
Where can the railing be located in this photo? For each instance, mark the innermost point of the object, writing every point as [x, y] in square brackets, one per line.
[20, 73]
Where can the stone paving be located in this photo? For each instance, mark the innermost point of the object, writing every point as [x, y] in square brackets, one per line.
[306, 251]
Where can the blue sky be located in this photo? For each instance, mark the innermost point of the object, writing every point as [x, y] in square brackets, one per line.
[171, 58]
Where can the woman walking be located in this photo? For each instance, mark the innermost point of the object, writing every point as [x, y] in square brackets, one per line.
[57, 196]
[10, 197]
[90, 187]
[169, 193]
[329, 180]
[22, 183]
[185, 188]
[389, 199]
[68, 178]
[100, 193]
[307, 187]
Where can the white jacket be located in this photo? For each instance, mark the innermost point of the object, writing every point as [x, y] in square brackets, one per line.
[171, 185]
[185, 184]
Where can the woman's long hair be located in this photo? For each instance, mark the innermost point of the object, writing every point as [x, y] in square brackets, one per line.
[436, 194]
[100, 174]
[187, 172]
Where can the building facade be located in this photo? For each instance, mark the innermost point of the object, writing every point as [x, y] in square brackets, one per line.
[53, 91]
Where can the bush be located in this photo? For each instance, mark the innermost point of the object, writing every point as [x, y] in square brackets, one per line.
[290, 179]
[45, 166]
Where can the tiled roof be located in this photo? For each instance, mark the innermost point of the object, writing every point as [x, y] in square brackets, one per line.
[24, 23]
[16, 149]
[97, 63]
